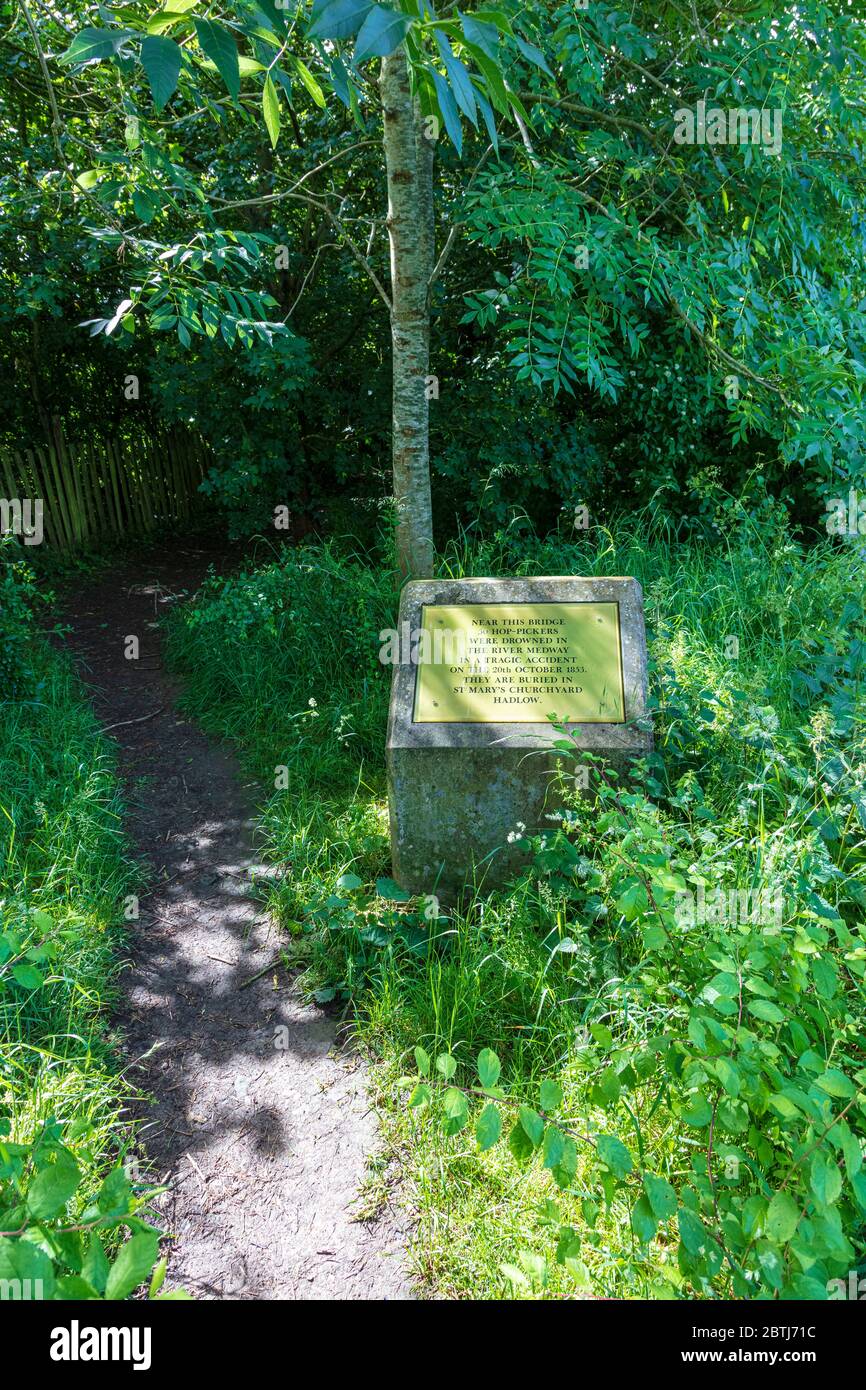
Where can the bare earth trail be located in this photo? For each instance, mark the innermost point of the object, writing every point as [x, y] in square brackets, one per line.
[264, 1146]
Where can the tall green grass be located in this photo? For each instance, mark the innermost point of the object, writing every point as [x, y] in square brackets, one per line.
[64, 870]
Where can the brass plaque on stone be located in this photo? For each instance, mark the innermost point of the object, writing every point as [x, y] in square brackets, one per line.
[519, 663]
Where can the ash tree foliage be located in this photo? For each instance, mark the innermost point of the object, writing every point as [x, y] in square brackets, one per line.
[509, 203]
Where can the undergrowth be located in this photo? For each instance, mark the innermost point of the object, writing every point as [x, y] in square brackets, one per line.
[72, 1211]
[614, 1089]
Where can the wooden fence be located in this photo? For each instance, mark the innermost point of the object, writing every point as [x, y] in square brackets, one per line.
[106, 487]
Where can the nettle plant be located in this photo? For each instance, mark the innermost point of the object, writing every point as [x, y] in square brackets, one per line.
[715, 1097]
[47, 1254]
[58, 1238]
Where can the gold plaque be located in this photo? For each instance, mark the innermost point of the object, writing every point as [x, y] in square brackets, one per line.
[518, 663]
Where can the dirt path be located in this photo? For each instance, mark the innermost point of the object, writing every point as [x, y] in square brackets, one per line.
[261, 1123]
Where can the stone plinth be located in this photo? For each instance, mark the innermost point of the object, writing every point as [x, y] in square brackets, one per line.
[469, 747]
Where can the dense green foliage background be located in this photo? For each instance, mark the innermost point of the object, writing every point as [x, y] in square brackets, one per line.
[714, 335]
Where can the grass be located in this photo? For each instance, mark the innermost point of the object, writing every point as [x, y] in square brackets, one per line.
[64, 871]
[761, 747]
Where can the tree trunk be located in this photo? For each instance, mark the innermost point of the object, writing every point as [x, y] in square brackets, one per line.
[410, 204]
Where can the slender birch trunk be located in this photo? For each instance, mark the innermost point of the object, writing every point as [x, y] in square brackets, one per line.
[409, 168]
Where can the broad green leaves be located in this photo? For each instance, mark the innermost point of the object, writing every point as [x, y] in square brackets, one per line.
[661, 1196]
[382, 31]
[783, 1216]
[52, 1188]
[92, 45]
[60, 1240]
[488, 1128]
[219, 45]
[162, 60]
[489, 1068]
[132, 1266]
[339, 19]
[614, 1153]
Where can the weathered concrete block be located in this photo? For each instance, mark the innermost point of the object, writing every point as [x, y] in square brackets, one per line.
[480, 664]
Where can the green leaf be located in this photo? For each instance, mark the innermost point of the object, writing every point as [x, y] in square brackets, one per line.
[771, 1262]
[216, 43]
[728, 1075]
[484, 36]
[157, 1279]
[420, 1096]
[71, 1288]
[95, 1267]
[836, 1083]
[763, 1009]
[553, 1148]
[145, 208]
[533, 54]
[550, 1095]
[92, 45]
[422, 1061]
[692, 1233]
[699, 1111]
[614, 1153]
[661, 1195]
[532, 1123]
[850, 1146]
[515, 1275]
[27, 976]
[566, 1168]
[488, 1127]
[643, 1220]
[21, 1259]
[162, 60]
[520, 1143]
[387, 888]
[114, 1196]
[783, 1215]
[448, 110]
[132, 1266]
[458, 78]
[607, 1089]
[446, 1065]
[271, 111]
[535, 1266]
[340, 19]
[51, 1189]
[456, 1108]
[784, 1108]
[489, 1068]
[314, 90]
[825, 1179]
[382, 31]
[633, 901]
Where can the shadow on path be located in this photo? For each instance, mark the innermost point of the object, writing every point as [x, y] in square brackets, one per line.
[260, 1123]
